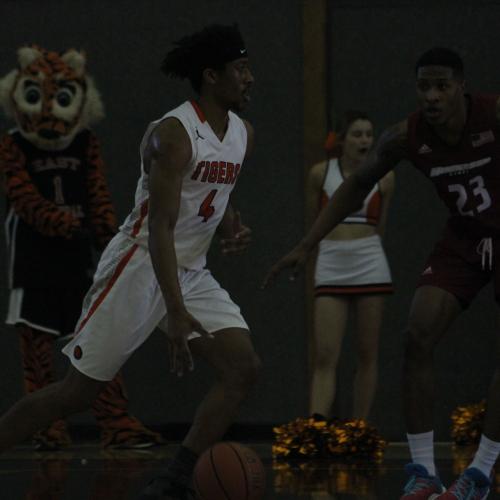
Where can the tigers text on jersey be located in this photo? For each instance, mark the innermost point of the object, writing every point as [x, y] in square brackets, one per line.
[467, 175]
[209, 179]
[369, 213]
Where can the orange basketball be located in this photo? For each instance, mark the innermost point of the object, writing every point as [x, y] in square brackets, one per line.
[229, 471]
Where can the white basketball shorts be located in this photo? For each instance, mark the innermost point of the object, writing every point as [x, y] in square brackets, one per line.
[125, 304]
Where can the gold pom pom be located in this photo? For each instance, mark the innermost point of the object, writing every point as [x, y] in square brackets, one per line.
[312, 438]
[467, 423]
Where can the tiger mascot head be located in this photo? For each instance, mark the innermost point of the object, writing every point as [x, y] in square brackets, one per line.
[50, 96]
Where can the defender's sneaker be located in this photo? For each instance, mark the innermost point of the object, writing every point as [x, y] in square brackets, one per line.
[421, 486]
[472, 484]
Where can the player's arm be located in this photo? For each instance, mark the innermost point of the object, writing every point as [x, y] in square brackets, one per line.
[236, 237]
[166, 157]
[386, 192]
[349, 197]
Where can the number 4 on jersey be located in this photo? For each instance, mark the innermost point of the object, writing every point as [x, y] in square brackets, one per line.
[206, 208]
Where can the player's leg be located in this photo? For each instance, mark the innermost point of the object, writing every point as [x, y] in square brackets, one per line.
[330, 319]
[236, 365]
[433, 311]
[478, 473]
[368, 310]
[475, 481]
[37, 410]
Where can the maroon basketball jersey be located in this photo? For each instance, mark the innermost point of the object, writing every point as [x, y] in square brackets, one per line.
[467, 175]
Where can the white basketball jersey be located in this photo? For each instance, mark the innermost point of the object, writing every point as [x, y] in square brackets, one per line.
[370, 211]
[209, 179]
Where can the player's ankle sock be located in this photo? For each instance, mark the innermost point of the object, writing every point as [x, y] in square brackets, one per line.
[422, 450]
[486, 455]
[182, 465]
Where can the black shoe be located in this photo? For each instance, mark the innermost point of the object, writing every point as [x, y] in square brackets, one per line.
[163, 488]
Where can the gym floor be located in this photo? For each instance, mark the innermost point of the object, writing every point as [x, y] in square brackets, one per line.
[86, 472]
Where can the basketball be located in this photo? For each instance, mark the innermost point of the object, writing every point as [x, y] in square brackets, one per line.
[229, 471]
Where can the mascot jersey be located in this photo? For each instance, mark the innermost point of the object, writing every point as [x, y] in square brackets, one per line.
[37, 260]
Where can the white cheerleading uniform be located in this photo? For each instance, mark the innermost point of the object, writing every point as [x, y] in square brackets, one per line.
[357, 266]
[125, 303]
[369, 213]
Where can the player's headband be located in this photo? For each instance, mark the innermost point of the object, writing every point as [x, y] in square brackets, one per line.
[231, 53]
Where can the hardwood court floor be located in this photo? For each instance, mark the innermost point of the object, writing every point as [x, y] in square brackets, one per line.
[87, 473]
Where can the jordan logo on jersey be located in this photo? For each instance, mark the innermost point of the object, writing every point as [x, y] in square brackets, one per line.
[216, 172]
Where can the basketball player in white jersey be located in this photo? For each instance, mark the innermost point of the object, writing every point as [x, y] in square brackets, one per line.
[351, 270]
[153, 274]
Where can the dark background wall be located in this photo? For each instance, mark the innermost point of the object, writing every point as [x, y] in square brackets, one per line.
[373, 48]
[125, 41]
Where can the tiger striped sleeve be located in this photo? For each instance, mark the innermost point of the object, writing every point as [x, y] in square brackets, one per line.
[102, 216]
[25, 198]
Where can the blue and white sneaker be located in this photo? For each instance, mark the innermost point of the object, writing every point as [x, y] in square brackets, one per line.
[472, 484]
[421, 485]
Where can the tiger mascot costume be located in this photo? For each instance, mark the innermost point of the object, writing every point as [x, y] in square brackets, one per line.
[59, 211]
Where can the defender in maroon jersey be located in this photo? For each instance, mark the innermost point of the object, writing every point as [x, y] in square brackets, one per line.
[454, 140]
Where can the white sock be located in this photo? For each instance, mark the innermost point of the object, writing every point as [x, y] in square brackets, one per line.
[422, 450]
[486, 455]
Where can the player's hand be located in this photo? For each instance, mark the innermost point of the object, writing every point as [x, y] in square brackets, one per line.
[295, 260]
[240, 239]
[180, 325]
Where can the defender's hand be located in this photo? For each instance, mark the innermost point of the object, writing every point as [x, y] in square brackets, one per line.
[180, 325]
[296, 260]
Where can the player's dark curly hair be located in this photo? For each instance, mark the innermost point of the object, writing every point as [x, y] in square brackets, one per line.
[212, 47]
[440, 56]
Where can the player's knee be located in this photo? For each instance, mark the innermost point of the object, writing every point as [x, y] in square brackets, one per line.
[71, 403]
[74, 399]
[250, 370]
[243, 373]
[419, 341]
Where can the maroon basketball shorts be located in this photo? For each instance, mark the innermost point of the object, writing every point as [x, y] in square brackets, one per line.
[463, 266]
